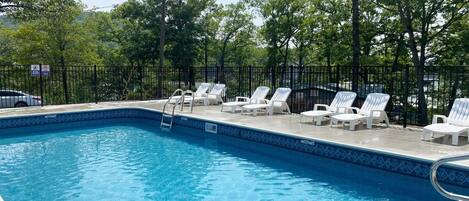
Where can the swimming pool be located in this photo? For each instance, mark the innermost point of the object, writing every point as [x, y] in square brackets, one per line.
[132, 159]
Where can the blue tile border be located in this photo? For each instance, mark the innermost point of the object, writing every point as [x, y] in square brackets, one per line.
[398, 164]
[403, 165]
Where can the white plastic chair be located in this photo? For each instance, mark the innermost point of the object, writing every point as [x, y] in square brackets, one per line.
[455, 124]
[342, 101]
[257, 97]
[201, 92]
[371, 111]
[214, 96]
[277, 102]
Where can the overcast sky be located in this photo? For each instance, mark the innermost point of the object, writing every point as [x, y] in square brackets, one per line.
[109, 3]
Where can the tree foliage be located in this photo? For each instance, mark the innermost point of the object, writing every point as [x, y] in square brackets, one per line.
[271, 33]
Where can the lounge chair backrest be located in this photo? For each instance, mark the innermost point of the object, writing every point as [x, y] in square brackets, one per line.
[281, 95]
[259, 94]
[218, 89]
[374, 101]
[459, 114]
[342, 99]
[203, 88]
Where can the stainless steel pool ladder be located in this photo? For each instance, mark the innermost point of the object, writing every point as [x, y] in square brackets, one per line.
[434, 179]
[180, 101]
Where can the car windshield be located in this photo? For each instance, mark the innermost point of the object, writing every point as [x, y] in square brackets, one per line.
[10, 93]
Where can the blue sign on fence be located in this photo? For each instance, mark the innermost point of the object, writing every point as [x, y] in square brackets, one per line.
[36, 70]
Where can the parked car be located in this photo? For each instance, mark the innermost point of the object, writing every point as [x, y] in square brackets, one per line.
[12, 98]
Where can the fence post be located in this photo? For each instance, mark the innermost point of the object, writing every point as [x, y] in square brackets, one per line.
[250, 80]
[95, 83]
[41, 85]
[291, 87]
[191, 74]
[217, 80]
[179, 76]
[240, 79]
[337, 78]
[273, 77]
[406, 95]
[206, 72]
[141, 82]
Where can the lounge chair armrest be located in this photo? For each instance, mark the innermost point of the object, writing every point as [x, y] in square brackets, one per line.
[273, 102]
[348, 109]
[381, 113]
[436, 117]
[264, 101]
[200, 95]
[242, 99]
[356, 109]
[316, 106]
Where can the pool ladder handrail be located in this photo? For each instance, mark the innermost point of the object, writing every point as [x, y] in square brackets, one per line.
[181, 101]
[434, 179]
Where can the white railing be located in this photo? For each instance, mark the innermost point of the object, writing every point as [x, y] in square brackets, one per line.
[434, 179]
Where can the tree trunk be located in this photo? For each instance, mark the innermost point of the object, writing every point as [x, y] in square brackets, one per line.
[64, 79]
[206, 57]
[395, 62]
[355, 43]
[301, 57]
[328, 61]
[285, 63]
[222, 61]
[419, 62]
[159, 91]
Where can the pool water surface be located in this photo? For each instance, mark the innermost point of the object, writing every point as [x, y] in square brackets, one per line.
[135, 160]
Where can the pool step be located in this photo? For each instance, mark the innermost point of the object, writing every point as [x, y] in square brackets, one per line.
[180, 101]
[164, 123]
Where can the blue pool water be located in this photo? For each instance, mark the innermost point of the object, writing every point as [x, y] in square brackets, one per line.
[134, 160]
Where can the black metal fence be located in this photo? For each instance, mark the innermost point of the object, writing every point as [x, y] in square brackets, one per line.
[310, 84]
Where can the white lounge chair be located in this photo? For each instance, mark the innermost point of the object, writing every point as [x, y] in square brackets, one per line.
[201, 92]
[214, 96]
[371, 111]
[342, 101]
[257, 97]
[277, 102]
[455, 124]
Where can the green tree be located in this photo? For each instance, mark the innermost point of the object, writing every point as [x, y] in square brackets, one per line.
[236, 27]
[420, 20]
[57, 37]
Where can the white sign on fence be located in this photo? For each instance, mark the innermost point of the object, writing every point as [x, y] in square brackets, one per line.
[45, 70]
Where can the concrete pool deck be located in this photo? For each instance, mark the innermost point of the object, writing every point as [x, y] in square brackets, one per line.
[392, 140]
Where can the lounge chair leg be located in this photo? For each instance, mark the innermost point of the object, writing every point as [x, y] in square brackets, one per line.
[426, 135]
[352, 125]
[369, 123]
[455, 139]
[386, 120]
[318, 121]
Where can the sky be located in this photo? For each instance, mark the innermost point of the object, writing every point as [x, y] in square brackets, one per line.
[108, 4]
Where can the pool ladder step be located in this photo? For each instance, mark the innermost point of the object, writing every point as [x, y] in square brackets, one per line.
[167, 118]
